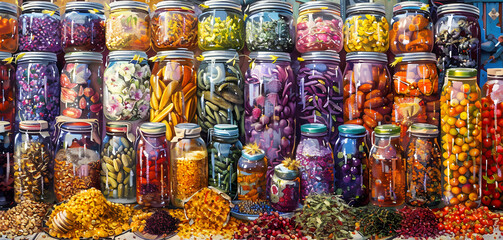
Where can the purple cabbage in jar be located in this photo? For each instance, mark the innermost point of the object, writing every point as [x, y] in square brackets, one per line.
[40, 32]
[83, 28]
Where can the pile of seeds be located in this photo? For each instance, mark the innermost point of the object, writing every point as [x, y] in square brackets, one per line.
[24, 219]
[253, 207]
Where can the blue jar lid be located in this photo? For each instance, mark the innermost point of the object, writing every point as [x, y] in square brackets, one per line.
[313, 128]
[352, 129]
[226, 131]
[77, 126]
[252, 152]
[284, 173]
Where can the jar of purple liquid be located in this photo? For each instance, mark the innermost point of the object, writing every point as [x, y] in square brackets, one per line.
[40, 27]
[83, 27]
[285, 189]
[6, 166]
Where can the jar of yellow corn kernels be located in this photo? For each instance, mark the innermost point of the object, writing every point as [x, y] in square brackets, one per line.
[366, 28]
[128, 26]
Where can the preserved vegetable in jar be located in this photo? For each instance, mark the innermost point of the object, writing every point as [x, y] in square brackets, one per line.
[39, 27]
[6, 165]
[9, 27]
[252, 169]
[128, 26]
[366, 28]
[285, 187]
[8, 85]
[83, 27]
[411, 28]
[174, 26]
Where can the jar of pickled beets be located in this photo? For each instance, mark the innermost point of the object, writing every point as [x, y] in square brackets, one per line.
[128, 26]
[8, 27]
[83, 27]
[366, 28]
[40, 27]
[8, 84]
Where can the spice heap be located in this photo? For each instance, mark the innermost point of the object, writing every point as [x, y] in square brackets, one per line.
[24, 219]
[376, 221]
[187, 231]
[208, 209]
[253, 207]
[158, 223]
[418, 223]
[270, 226]
[139, 220]
[462, 221]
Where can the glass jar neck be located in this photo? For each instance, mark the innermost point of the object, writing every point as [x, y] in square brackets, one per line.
[215, 138]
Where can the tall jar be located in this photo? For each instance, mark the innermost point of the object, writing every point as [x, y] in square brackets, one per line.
[366, 28]
[126, 88]
[33, 163]
[411, 28]
[316, 161]
[319, 27]
[284, 192]
[81, 85]
[189, 163]
[7, 91]
[152, 174]
[320, 91]
[424, 178]
[387, 168]
[351, 165]
[83, 27]
[9, 27]
[128, 26]
[368, 97]
[39, 27]
[224, 151]
[221, 26]
[173, 97]
[270, 27]
[252, 169]
[461, 137]
[174, 26]
[220, 90]
[118, 163]
[6, 165]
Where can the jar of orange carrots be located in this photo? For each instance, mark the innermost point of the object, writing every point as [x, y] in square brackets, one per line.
[8, 27]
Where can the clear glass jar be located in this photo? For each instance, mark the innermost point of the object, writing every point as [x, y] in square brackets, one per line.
[366, 28]
[252, 169]
[316, 160]
[152, 176]
[189, 163]
[6, 165]
[128, 26]
[319, 27]
[220, 87]
[387, 168]
[224, 151]
[173, 97]
[81, 85]
[285, 189]
[351, 165]
[118, 164]
[33, 164]
[221, 26]
[83, 27]
[174, 26]
[8, 27]
[461, 137]
[7, 91]
[270, 27]
[320, 91]
[40, 27]
[411, 28]
[126, 88]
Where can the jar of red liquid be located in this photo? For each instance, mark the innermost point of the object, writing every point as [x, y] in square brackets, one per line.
[7, 83]
[6, 166]
[285, 189]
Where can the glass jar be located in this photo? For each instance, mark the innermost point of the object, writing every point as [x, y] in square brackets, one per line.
[424, 177]
[83, 27]
[81, 85]
[224, 151]
[366, 28]
[387, 167]
[173, 97]
[221, 26]
[351, 165]
[128, 26]
[7, 93]
[319, 27]
[270, 27]
[118, 164]
[252, 169]
[6, 166]
[316, 161]
[411, 29]
[126, 93]
[285, 189]
[8, 27]
[320, 91]
[39, 27]
[189, 163]
[152, 176]
[174, 26]
[461, 137]
[220, 87]
[37, 87]
[33, 165]
[368, 97]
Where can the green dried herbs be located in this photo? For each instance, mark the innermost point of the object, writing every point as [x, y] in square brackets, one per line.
[376, 221]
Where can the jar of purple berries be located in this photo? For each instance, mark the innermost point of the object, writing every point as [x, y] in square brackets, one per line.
[83, 27]
[285, 188]
[39, 27]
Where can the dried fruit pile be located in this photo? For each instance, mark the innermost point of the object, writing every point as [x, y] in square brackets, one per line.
[24, 219]
[208, 208]
[418, 223]
[270, 226]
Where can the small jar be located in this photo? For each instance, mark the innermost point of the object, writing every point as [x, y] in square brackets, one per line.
[189, 163]
[152, 176]
[128, 26]
[270, 26]
[7, 92]
[6, 166]
[285, 189]
[221, 26]
[33, 163]
[83, 27]
[126, 88]
[118, 164]
[252, 169]
[40, 27]
[174, 26]
[411, 29]
[8, 27]
[319, 27]
[366, 28]
[81, 85]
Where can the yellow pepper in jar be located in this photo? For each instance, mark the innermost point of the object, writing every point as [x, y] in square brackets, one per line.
[366, 28]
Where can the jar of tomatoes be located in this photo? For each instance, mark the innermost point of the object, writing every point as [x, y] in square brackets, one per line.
[366, 28]
[83, 27]
[128, 26]
[174, 26]
[6, 165]
[40, 27]
[8, 27]
[8, 84]
[252, 169]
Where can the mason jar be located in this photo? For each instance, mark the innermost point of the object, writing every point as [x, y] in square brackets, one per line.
[284, 193]
[8, 24]
[366, 28]
[39, 27]
[252, 170]
[6, 165]
[83, 27]
[128, 26]
[8, 85]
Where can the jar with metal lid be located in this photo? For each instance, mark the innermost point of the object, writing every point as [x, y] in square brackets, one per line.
[126, 88]
[6, 165]
[220, 85]
[366, 28]
[8, 85]
[118, 163]
[81, 85]
[270, 26]
[174, 26]
[221, 26]
[252, 169]
[285, 189]
[173, 96]
[39, 27]
[411, 28]
[387, 167]
[33, 163]
[128, 26]
[461, 137]
[8, 27]
[319, 27]
[83, 27]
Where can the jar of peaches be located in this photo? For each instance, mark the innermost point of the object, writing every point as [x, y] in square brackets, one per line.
[8, 27]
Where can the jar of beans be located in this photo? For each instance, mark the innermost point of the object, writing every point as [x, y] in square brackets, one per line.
[128, 26]
[8, 84]
[6, 165]
[83, 27]
[366, 28]
[8, 27]
[39, 27]
[252, 169]
[285, 189]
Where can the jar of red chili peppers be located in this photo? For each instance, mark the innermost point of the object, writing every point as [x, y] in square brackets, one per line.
[83, 27]
[174, 26]
[8, 84]
[40, 27]
[8, 27]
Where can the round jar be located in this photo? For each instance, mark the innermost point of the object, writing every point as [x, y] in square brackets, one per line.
[174, 26]
[252, 169]
[8, 85]
[83, 27]
[6, 166]
[366, 28]
[285, 189]
[8, 27]
[128, 26]
[39, 27]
